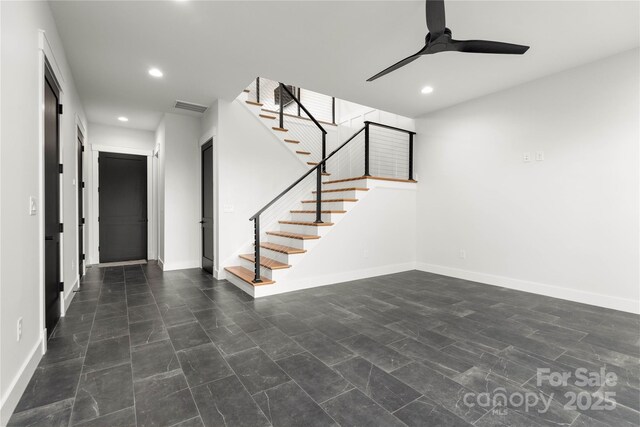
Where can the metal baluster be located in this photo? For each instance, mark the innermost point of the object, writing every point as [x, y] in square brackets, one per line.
[281, 107]
[256, 251]
[366, 149]
[318, 195]
[410, 156]
[257, 89]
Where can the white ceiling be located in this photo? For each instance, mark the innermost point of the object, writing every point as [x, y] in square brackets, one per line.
[213, 49]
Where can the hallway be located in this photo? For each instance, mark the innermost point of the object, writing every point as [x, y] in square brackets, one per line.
[142, 347]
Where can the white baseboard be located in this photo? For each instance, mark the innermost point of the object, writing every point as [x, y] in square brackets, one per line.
[569, 294]
[69, 297]
[20, 381]
[180, 265]
[161, 263]
[220, 274]
[330, 279]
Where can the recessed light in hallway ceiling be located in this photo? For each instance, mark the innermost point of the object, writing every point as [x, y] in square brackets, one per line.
[154, 72]
[426, 90]
[123, 119]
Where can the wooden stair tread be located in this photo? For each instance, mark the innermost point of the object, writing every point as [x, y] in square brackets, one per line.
[292, 141]
[269, 263]
[311, 224]
[304, 153]
[282, 248]
[313, 212]
[379, 178]
[325, 174]
[246, 90]
[337, 190]
[259, 104]
[266, 116]
[293, 235]
[280, 129]
[331, 200]
[248, 276]
[312, 163]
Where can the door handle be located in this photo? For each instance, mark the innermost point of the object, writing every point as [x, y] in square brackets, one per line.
[202, 222]
[48, 237]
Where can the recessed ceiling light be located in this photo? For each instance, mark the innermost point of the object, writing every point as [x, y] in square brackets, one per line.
[155, 72]
[427, 89]
[123, 119]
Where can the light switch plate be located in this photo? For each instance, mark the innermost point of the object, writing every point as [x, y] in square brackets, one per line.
[539, 156]
[33, 208]
[526, 157]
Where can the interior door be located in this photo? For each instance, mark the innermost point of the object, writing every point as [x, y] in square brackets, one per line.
[80, 184]
[122, 218]
[52, 226]
[207, 207]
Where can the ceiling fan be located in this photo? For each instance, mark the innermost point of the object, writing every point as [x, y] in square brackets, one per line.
[439, 40]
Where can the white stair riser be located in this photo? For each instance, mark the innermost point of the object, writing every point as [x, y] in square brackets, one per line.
[279, 256]
[264, 272]
[361, 183]
[286, 241]
[310, 217]
[304, 229]
[328, 206]
[351, 194]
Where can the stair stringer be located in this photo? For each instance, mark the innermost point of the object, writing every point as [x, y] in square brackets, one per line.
[375, 237]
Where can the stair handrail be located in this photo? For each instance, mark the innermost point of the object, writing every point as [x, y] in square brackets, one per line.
[319, 168]
[282, 87]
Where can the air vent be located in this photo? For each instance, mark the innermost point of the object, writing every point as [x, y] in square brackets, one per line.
[190, 106]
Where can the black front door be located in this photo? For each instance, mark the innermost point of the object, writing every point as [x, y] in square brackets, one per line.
[51, 202]
[122, 191]
[207, 206]
[80, 184]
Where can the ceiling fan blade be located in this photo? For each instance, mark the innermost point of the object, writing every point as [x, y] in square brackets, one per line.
[397, 65]
[435, 16]
[487, 46]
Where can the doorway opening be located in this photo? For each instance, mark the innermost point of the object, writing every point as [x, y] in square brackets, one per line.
[52, 224]
[207, 221]
[122, 198]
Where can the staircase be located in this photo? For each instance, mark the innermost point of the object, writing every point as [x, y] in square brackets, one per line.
[301, 217]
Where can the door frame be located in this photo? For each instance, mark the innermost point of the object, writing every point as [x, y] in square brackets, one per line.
[208, 144]
[210, 137]
[92, 217]
[47, 62]
[79, 173]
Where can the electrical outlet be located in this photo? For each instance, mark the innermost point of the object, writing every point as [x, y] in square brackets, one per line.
[365, 253]
[539, 156]
[526, 157]
[462, 254]
[73, 265]
[19, 329]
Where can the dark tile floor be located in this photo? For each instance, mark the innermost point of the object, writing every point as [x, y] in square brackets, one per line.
[147, 348]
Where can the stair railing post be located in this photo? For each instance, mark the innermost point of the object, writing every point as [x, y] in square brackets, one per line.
[333, 110]
[318, 195]
[256, 250]
[410, 156]
[366, 149]
[299, 99]
[281, 107]
[257, 89]
[324, 151]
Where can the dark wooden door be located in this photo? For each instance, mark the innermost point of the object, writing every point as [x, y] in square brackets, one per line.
[52, 226]
[80, 184]
[122, 191]
[207, 207]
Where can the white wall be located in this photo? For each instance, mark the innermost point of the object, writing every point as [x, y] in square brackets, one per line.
[160, 150]
[566, 226]
[116, 139]
[21, 150]
[121, 138]
[179, 160]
